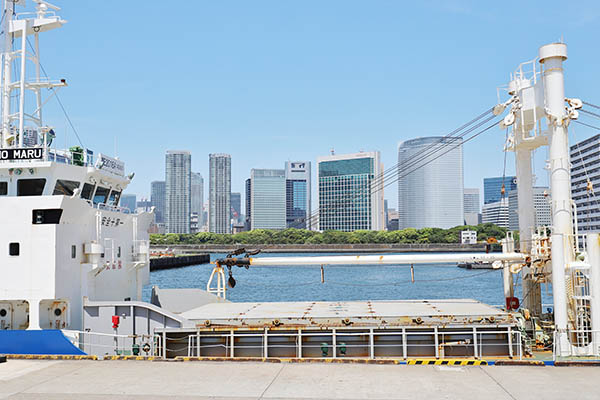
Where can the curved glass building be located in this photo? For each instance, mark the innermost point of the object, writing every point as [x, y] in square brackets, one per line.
[430, 183]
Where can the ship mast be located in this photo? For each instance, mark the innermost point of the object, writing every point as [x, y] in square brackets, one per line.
[16, 28]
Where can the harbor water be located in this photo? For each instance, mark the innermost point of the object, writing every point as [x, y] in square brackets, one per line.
[345, 282]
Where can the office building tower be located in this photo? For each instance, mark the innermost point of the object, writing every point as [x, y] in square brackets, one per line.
[585, 162]
[430, 183]
[496, 213]
[178, 191]
[349, 192]
[267, 199]
[236, 208]
[492, 188]
[197, 201]
[472, 207]
[541, 205]
[247, 222]
[129, 202]
[298, 190]
[219, 193]
[158, 198]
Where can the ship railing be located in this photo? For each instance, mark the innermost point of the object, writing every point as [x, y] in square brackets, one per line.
[109, 207]
[576, 344]
[110, 344]
[402, 343]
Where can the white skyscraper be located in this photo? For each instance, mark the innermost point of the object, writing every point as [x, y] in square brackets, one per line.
[196, 213]
[472, 206]
[541, 205]
[430, 183]
[496, 213]
[219, 193]
[178, 191]
[267, 203]
[350, 192]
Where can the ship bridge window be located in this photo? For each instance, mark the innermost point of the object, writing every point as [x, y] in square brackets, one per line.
[113, 199]
[3, 188]
[86, 192]
[100, 195]
[30, 187]
[65, 187]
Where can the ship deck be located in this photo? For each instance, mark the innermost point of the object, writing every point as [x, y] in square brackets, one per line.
[426, 313]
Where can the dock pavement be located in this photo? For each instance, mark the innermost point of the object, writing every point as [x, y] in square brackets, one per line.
[115, 380]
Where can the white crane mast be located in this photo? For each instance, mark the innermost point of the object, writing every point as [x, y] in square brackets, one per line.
[17, 27]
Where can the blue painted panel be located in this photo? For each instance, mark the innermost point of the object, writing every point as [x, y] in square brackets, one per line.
[47, 341]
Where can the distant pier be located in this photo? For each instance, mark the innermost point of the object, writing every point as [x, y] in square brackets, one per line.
[326, 248]
[177, 262]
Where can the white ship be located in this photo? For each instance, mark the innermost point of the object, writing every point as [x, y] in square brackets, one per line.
[73, 263]
[62, 233]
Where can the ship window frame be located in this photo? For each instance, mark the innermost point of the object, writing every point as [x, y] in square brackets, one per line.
[73, 251]
[14, 249]
[67, 188]
[31, 190]
[3, 188]
[113, 198]
[85, 194]
[99, 188]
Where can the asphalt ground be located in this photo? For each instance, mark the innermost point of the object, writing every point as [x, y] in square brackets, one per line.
[91, 380]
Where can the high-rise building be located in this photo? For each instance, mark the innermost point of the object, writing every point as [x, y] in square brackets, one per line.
[541, 207]
[298, 190]
[178, 191]
[219, 193]
[496, 213]
[247, 222]
[492, 188]
[349, 193]
[268, 196]
[129, 201]
[472, 207]
[197, 201]
[158, 198]
[236, 207]
[430, 183]
[585, 162]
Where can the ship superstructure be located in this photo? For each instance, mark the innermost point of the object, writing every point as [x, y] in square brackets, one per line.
[63, 236]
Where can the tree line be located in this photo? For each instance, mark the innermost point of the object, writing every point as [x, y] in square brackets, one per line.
[303, 236]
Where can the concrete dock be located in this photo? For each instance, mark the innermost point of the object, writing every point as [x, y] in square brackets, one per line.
[37, 379]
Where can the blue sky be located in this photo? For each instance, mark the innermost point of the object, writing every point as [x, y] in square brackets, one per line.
[269, 81]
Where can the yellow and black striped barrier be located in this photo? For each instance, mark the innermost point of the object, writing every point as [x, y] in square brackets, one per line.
[428, 361]
[137, 358]
[49, 357]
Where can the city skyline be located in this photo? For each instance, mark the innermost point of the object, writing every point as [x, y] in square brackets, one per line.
[353, 97]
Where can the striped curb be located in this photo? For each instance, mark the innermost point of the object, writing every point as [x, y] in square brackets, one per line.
[49, 357]
[136, 358]
[427, 361]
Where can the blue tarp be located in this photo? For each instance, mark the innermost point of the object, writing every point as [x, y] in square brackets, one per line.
[46, 341]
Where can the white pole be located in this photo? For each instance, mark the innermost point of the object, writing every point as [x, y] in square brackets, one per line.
[593, 252]
[22, 89]
[526, 212]
[6, 75]
[38, 93]
[559, 294]
[552, 57]
[391, 259]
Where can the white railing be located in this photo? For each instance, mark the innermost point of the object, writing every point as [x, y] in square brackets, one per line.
[108, 344]
[365, 343]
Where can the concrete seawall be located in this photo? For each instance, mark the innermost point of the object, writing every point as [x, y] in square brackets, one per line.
[177, 262]
[325, 248]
